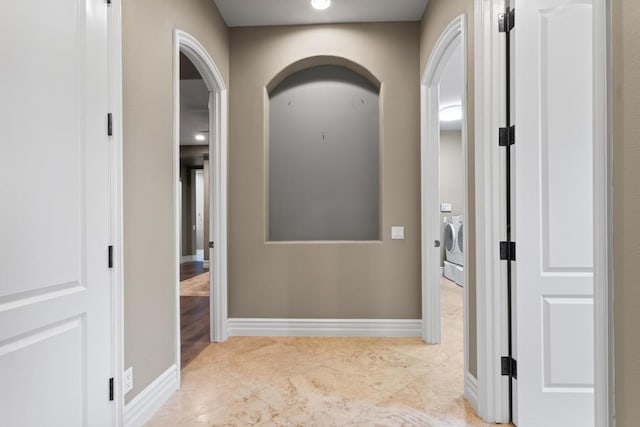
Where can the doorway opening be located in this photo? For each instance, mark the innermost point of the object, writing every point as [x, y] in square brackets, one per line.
[445, 255]
[203, 93]
[194, 213]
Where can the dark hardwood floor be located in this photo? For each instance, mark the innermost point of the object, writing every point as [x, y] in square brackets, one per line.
[194, 317]
[191, 269]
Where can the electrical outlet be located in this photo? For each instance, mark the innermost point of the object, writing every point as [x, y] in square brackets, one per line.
[127, 380]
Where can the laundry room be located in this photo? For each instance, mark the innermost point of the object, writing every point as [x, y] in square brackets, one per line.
[452, 171]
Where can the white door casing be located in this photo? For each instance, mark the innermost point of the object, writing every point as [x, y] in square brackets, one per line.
[453, 36]
[55, 294]
[218, 160]
[554, 206]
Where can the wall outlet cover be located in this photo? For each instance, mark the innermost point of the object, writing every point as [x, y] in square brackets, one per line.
[127, 380]
[397, 232]
[445, 207]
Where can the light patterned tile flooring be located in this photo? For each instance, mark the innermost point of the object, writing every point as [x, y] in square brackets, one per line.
[299, 381]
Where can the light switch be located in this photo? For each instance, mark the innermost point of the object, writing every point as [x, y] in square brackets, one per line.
[445, 207]
[397, 232]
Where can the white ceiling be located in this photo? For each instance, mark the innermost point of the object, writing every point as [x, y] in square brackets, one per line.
[243, 13]
[452, 86]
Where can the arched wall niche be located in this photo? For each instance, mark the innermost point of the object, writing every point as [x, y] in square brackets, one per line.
[323, 145]
[318, 61]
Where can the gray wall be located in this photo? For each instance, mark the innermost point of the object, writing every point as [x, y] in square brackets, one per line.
[451, 178]
[149, 264]
[206, 212]
[187, 213]
[324, 157]
[438, 16]
[626, 208]
[328, 279]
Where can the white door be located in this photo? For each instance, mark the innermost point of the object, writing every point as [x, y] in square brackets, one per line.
[55, 333]
[554, 212]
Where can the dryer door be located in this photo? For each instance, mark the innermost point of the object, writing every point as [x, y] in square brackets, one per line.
[449, 240]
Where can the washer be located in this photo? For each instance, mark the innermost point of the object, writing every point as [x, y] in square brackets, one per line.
[453, 227]
[460, 241]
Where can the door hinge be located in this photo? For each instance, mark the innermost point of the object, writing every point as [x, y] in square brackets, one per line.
[506, 21]
[110, 256]
[508, 251]
[212, 245]
[507, 136]
[111, 393]
[509, 367]
[109, 124]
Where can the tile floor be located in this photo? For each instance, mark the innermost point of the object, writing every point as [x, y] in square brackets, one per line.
[296, 381]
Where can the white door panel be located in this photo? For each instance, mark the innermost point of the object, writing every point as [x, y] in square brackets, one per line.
[554, 212]
[55, 332]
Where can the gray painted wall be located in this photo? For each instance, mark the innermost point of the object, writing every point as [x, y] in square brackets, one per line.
[626, 208]
[324, 181]
[451, 178]
[334, 279]
[149, 238]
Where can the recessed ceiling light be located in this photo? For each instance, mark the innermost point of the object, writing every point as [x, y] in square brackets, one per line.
[320, 4]
[200, 137]
[451, 114]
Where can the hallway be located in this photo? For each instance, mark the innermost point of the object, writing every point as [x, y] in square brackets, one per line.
[327, 381]
[194, 310]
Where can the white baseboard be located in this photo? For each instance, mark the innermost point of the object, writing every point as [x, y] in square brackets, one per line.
[442, 271]
[326, 327]
[471, 390]
[189, 258]
[144, 405]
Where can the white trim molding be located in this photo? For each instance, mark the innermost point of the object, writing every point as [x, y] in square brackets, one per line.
[218, 153]
[188, 258]
[491, 298]
[114, 41]
[326, 327]
[471, 389]
[148, 401]
[602, 216]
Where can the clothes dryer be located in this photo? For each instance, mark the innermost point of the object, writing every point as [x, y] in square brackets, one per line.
[452, 247]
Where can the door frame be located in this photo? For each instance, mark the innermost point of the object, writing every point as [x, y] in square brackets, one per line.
[116, 202]
[490, 222]
[491, 279]
[185, 43]
[454, 36]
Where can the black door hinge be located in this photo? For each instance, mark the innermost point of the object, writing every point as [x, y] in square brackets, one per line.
[508, 251]
[506, 21]
[110, 255]
[111, 393]
[110, 124]
[507, 136]
[509, 367]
